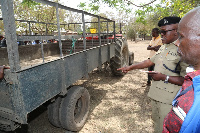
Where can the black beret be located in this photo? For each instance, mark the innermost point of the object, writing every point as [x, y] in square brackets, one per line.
[168, 21]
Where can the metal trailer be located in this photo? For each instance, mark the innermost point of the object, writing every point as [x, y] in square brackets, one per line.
[24, 89]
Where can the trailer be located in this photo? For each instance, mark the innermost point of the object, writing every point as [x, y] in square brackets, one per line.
[45, 72]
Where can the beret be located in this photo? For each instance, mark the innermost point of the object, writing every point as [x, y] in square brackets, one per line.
[168, 21]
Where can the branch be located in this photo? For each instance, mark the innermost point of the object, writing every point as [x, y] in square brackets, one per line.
[129, 2]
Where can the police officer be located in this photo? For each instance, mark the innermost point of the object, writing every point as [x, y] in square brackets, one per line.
[169, 72]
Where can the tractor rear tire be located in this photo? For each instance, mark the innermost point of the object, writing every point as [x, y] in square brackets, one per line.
[131, 58]
[121, 57]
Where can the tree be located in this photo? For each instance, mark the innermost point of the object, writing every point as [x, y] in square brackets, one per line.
[148, 15]
[132, 29]
[72, 17]
[103, 25]
[165, 8]
[33, 11]
[94, 5]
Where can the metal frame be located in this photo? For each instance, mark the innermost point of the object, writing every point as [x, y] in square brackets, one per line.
[27, 89]
[15, 65]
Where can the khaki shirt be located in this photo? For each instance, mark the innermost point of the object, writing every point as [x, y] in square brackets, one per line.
[153, 43]
[167, 54]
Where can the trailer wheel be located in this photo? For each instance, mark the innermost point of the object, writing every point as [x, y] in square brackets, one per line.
[121, 57]
[53, 112]
[74, 108]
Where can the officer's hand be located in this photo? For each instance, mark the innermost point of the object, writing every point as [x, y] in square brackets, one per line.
[124, 69]
[4, 67]
[2, 71]
[157, 76]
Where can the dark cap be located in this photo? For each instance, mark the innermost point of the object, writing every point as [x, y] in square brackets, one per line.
[168, 21]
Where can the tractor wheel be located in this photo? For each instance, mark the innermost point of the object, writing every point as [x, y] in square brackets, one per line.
[121, 57]
[131, 58]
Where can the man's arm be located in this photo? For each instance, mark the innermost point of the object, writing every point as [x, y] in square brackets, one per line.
[156, 48]
[150, 48]
[141, 65]
[2, 71]
[177, 80]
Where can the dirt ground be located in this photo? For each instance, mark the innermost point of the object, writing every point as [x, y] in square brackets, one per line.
[117, 105]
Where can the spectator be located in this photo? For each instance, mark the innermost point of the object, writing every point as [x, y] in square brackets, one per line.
[20, 43]
[27, 42]
[154, 46]
[184, 116]
[3, 42]
[1, 37]
[170, 72]
[36, 42]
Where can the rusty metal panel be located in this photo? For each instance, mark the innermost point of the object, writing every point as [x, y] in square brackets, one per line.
[104, 53]
[93, 57]
[40, 83]
[75, 67]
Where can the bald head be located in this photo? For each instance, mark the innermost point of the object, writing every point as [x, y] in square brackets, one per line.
[189, 32]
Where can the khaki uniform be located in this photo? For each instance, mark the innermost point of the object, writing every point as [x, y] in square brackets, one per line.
[162, 94]
[155, 41]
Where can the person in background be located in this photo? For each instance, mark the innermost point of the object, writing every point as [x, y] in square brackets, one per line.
[169, 75]
[184, 116]
[2, 71]
[3, 41]
[1, 37]
[154, 46]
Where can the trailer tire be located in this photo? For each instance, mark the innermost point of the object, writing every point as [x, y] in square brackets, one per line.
[121, 57]
[53, 112]
[74, 108]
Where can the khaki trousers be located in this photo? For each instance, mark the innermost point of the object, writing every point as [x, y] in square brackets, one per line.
[159, 111]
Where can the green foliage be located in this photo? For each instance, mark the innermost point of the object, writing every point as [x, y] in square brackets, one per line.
[131, 33]
[94, 5]
[29, 3]
[166, 8]
[149, 15]
[29, 10]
